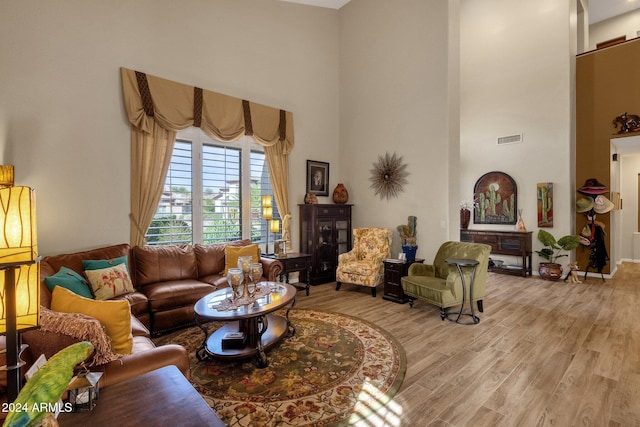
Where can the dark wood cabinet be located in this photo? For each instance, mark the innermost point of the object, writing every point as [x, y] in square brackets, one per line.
[325, 232]
[394, 270]
[513, 243]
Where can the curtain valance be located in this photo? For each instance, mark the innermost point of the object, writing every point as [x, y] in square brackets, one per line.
[176, 106]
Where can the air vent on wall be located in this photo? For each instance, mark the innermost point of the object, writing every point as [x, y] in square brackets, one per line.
[511, 139]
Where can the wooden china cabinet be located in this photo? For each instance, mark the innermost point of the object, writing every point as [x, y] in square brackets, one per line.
[325, 232]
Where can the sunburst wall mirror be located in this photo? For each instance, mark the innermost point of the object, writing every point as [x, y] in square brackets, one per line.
[388, 176]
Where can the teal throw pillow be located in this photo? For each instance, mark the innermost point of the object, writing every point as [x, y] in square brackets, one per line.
[69, 279]
[99, 264]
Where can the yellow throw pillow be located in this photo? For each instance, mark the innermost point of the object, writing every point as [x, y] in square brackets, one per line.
[107, 283]
[115, 316]
[232, 253]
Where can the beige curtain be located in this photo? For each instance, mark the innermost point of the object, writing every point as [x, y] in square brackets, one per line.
[157, 108]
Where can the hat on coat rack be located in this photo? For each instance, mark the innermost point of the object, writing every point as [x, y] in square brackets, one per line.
[592, 187]
[584, 204]
[602, 205]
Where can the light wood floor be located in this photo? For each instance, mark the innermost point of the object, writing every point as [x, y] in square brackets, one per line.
[544, 353]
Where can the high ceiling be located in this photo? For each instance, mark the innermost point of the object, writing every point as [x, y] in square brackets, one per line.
[599, 10]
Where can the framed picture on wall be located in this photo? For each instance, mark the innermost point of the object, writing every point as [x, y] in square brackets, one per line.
[497, 196]
[317, 178]
[545, 204]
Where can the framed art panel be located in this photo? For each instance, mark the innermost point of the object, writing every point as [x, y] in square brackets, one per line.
[496, 194]
[317, 178]
[545, 204]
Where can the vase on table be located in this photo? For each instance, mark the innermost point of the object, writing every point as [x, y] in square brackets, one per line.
[340, 195]
[465, 218]
[410, 252]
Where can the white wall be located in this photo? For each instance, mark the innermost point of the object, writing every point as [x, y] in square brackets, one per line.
[394, 98]
[622, 25]
[515, 79]
[62, 121]
[629, 171]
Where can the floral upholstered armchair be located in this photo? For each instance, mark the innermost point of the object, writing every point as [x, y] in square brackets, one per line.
[362, 265]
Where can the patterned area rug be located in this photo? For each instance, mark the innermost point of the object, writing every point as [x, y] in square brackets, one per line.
[336, 369]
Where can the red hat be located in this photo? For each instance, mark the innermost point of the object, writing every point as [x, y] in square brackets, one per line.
[592, 187]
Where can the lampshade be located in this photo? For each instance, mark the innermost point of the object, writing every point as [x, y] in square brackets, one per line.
[274, 226]
[6, 175]
[18, 258]
[267, 213]
[18, 241]
[266, 201]
[27, 294]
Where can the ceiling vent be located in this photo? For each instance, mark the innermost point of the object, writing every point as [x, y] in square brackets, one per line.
[511, 139]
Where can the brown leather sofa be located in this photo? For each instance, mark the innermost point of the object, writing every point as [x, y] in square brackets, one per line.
[168, 281]
[145, 355]
[173, 278]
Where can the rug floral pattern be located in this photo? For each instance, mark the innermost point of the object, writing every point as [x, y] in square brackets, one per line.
[334, 368]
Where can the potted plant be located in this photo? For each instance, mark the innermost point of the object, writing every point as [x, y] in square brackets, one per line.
[552, 250]
[408, 237]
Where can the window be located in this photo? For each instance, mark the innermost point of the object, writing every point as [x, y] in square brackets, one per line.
[213, 192]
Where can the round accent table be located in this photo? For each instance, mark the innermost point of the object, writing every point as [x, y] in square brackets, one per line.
[461, 263]
[252, 329]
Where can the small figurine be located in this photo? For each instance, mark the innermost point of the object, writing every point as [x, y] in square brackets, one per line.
[572, 275]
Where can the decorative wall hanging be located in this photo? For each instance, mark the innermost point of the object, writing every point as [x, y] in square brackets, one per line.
[545, 204]
[627, 122]
[496, 194]
[317, 178]
[388, 176]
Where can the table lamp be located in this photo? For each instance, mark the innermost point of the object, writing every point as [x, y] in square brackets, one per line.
[267, 214]
[20, 281]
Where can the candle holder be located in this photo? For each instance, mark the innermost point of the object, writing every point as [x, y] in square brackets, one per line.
[235, 278]
[244, 264]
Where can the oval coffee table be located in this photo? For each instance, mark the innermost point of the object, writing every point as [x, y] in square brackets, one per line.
[254, 319]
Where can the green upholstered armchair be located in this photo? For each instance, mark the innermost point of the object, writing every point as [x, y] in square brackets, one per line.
[363, 265]
[440, 284]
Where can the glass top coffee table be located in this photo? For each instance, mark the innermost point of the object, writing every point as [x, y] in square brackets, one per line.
[252, 327]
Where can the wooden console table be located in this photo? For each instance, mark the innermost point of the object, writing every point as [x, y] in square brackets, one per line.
[159, 397]
[514, 243]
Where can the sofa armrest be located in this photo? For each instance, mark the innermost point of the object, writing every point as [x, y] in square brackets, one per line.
[347, 256]
[419, 269]
[271, 268]
[135, 364]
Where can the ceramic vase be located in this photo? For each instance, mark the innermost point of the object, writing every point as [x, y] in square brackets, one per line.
[340, 195]
[410, 252]
[465, 218]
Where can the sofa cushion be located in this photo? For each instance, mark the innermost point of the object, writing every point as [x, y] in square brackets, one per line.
[211, 257]
[115, 316]
[74, 260]
[110, 282]
[81, 327]
[98, 264]
[177, 293]
[232, 253]
[153, 264]
[71, 280]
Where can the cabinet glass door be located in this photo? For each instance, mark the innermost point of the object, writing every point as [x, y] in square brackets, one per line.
[325, 245]
[342, 229]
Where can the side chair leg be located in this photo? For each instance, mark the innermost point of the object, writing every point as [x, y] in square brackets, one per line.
[443, 314]
[411, 300]
[480, 306]
[338, 286]
[373, 292]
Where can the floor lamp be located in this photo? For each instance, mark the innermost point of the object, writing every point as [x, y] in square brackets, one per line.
[20, 276]
[267, 214]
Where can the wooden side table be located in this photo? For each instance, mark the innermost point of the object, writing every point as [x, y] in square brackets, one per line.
[296, 261]
[394, 270]
[472, 264]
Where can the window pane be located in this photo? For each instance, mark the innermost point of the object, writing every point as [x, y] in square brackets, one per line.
[260, 186]
[172, 222]
[221, 196]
